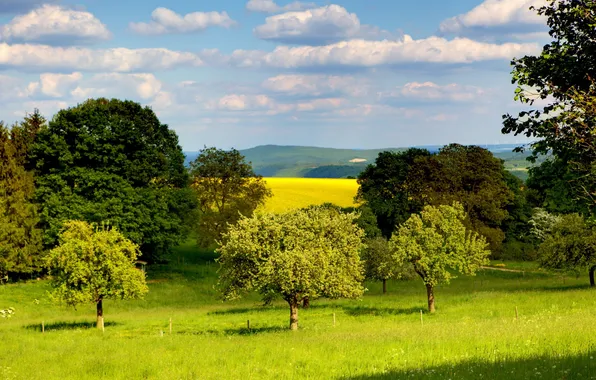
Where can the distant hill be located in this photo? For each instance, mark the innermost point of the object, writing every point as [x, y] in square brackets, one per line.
[315, 162]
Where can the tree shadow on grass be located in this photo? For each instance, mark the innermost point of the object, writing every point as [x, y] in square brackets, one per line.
[235, 331]
[541, 367]
[68, 325]
[356, 311]
[244, 310]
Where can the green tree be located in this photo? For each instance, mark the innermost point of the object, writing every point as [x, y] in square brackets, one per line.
[437, 242]
[20, 239]
[227, 188]
[563, 74]
[89, 266]
[385, 188]
[569, 244]
[113, 160]
[304, 253]
[379, 264]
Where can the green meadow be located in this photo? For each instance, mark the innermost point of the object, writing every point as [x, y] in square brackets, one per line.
[474, 334]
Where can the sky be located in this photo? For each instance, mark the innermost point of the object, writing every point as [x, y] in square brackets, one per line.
[241, 73]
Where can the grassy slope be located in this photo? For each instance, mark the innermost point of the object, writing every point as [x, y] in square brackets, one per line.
[289, 193]
[474, 334]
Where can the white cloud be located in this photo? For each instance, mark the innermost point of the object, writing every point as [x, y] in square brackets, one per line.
[429, 91]
[166, 21]
[55, 25]
[498, 18]
[318, 26]
[47, 58]
[361, 53]
[57, 85]
[321, 25]
[315, 85]
[265, 105]
[138, 86]
[269, 6]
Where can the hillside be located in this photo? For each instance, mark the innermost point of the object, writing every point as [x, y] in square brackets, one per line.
[316, 162]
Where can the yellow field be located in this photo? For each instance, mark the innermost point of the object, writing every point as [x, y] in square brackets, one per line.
[292, 193]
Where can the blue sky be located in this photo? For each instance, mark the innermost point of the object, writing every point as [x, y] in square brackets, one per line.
[241, 73]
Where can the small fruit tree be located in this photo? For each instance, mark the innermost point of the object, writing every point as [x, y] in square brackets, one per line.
[90, 265]
[436, 242]
[304, 253]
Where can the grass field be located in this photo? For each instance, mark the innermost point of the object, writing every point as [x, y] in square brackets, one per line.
[291, 193]
[473, 335]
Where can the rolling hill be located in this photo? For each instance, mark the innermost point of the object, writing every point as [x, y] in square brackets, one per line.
[316, 162]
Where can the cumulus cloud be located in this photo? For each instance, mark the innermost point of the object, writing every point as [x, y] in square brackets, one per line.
[269, 6]
[495, 19]
[55, 25]
[142, 86]
[166, 21]
[362, 53]
[263, 104]
[429, 91]
[28, 57]
[318, 26]
[315, 85]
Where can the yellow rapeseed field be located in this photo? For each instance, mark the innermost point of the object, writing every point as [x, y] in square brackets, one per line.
[292, 193]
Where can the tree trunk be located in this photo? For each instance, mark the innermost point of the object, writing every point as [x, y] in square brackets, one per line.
[100, 313]
[293, 301]
[592, 269]
[384, 286]
[306, 302]
[431, 298]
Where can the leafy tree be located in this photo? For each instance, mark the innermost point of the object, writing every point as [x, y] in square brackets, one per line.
[379, 264]
[304, 253]
[437, 242]
[569, 244]
[227, 189]
[563, 75]
[542, 223]
[113, 160]
[385, 188]
[20, 239]
[89, 266]
[472, 176]
[400, 184]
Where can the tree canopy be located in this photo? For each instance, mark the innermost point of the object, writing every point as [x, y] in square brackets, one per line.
[112, 160]
[569, 243]
[437, 242]
[563, 77]
[304, 253]
[227, 188]
[20, 239]
[90, 265]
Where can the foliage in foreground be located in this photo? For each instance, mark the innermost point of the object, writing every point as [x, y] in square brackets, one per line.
[436, 242]
[304, 254]
[89, 266]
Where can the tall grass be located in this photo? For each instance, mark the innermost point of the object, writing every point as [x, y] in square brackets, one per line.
[473, 335]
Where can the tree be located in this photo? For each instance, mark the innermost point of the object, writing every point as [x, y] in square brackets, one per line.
[227, 188]
[436, 242]
[89, 266]
[379, 264]
[563, 75]
[113, 160]
[303, 253]
[385, 188]
[569, 244]
[400, 184]
[472, 176]
[20, 239]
